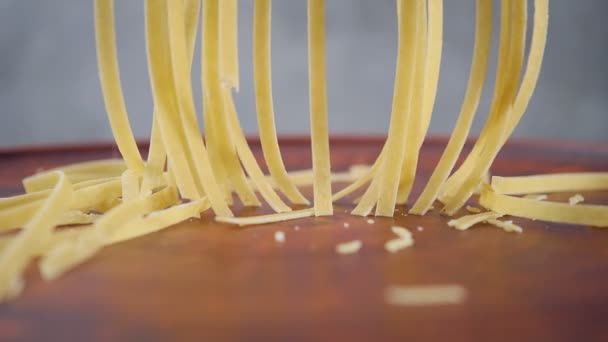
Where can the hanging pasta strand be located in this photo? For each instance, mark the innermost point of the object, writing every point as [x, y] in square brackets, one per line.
[419, 120]
[410, 34]
[500, 116]
[264, 105]
[318, 108]
[452, 185]
[161, 80]
[479, 66]
[229, 44]
[109, 76]
[235, 130]
[157, 154]
[183, 88]
[224, 155]
[384, 186]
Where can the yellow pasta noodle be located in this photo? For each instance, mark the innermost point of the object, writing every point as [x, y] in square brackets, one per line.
[36, 232]
[264, 106]
[318, 108]
[587, 214]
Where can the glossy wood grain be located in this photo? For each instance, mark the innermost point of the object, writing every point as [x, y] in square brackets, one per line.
[202, 280]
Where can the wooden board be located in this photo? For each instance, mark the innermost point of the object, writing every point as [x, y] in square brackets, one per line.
[202, 280]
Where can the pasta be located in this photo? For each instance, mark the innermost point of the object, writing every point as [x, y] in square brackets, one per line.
[185, 173]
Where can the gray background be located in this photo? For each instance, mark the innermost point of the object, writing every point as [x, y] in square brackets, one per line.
[49, 91]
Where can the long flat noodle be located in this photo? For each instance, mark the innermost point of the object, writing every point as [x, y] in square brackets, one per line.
[264, 219]
[229, 42]
[109, 76]
[479, 66]
[530, 79]
[389, 172]
[13, 201]
[404, 77]
[157, 154]
[84, 199]
[586, 214]
[535, 58]
[161, 79]
[36, 233]
[214, 106]
[454, 181]
[318, 108]
[130, 185]
[496, 130]
[67, 254]
[264, 104]
[417, 119]
[550, 183]
[434, 50]
[249, 162]
[212, 132]
[183, 88]
[158, 220]
[76, 173]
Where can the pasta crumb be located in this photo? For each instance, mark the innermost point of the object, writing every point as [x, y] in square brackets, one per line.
[401, 232]
[279, 236]
[395, 245]
[370, 221]
[576, 199]
[346, 224]
[536, 197]
[349, 247]
[507, 226]
[425, 295]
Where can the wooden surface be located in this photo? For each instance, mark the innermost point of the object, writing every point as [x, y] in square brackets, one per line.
[207, 281]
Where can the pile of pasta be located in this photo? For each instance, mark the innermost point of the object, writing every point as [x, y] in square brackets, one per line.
[187, 173]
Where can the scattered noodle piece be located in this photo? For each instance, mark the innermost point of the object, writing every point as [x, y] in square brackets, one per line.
[507, 226]
[349, 247]
[425, 295]
[395, 245]
[576, 199]
[401, 232]
[346, 224]
[468, 221]
[371, 221]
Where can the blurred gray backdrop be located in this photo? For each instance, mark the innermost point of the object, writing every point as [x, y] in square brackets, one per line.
[49, 90]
